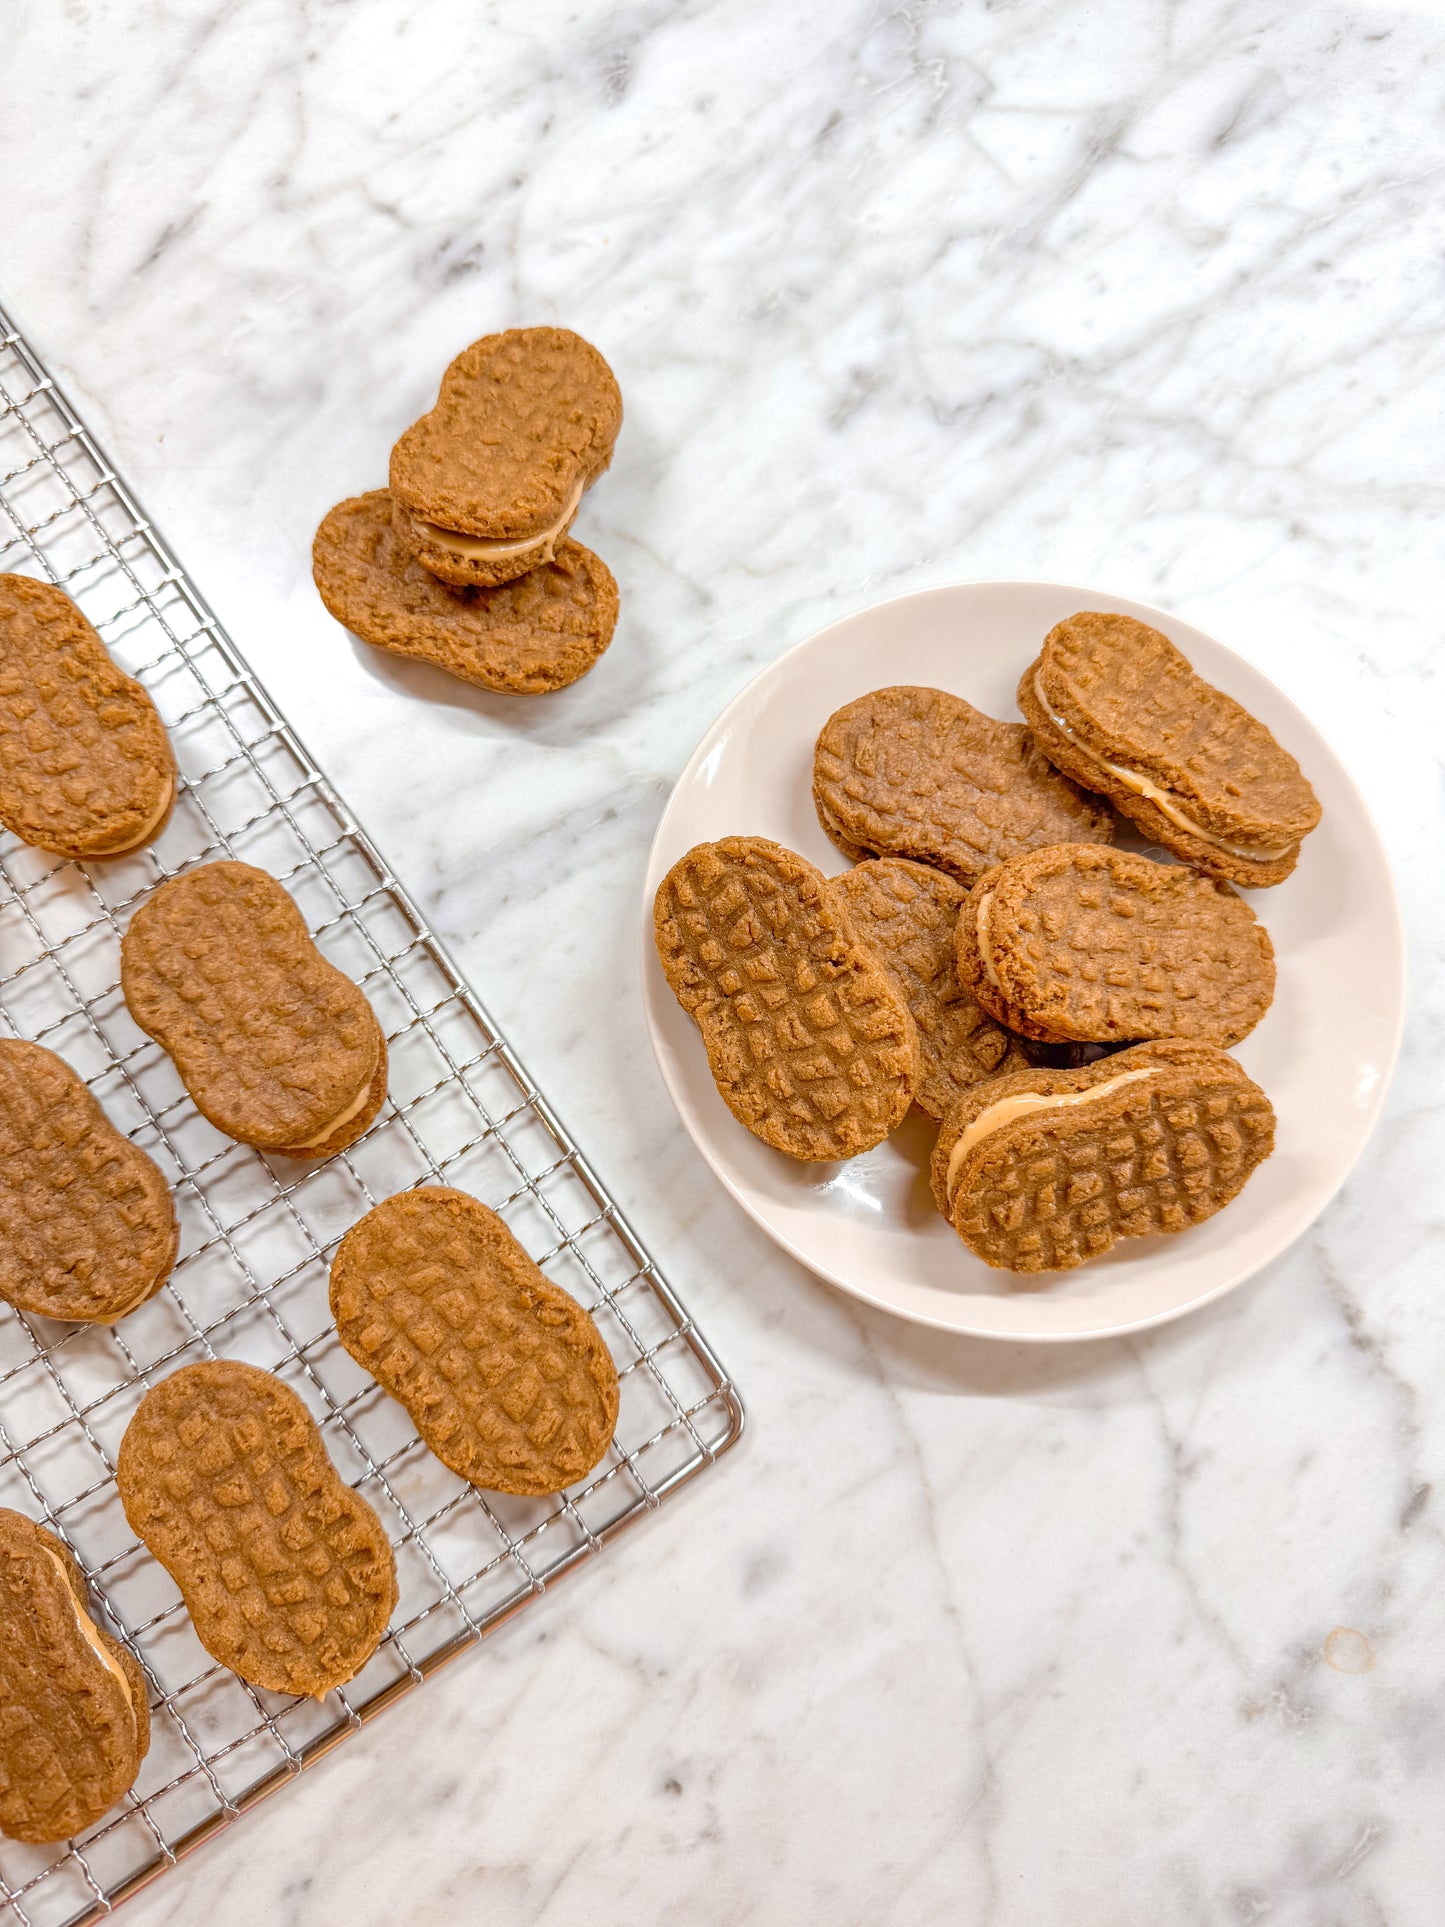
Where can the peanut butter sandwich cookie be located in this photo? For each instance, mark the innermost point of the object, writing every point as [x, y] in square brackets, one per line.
[505, 1376]
[276, 1047]
[1043, 1170]
[486, 484]
[285, 1571]
[921, 774]
[87, 1227]
[1104, 947]
[809, 1041]
[906, 914]
[1115, 705]
[85, 763]
[75, 1723]
[536, 633]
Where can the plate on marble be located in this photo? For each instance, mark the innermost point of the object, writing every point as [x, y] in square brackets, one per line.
[1324, 1052]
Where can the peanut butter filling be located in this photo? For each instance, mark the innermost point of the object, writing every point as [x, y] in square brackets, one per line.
[482, 548]
[148, 829]
[342, 1117]
[87, 1627]
[1026, 1104]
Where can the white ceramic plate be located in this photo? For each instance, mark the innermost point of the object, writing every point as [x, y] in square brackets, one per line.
[1324, 1053]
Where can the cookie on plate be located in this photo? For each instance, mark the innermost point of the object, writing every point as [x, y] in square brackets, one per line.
[1044, 1170]
[1102, 946]
[536, 633]
[74, 1717]
[918, 773]
[486, 484]
[505, 1376]
[87, 1227]
[276, 1047]
[287, 1574]
[810, 1043]
[85, 764]
[1117, 707]
[906, 914]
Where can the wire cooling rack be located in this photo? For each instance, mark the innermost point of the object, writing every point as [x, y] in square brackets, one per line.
[256, 1232]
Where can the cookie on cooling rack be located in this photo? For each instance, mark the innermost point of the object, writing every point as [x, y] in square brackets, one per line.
[506, 1377]
[276, 1047]
[486, 484]
[918, 773]
[85, 763]
[1113, 704]
[87, 1227]
[1103, 946]
[535, 633]
[1044, 1170]
[906, 914]
[287, 1574]
[809, 1041]
[74, 1717]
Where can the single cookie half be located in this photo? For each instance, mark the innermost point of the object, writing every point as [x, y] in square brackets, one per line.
[276, 1047]
[505, 1376]
[539, 632]
[1105, 947]
[74, 1716]
[1043, 1170]
[808, 1039]
[1114, 705]
[906, 914]
[87, 1227]
[486, 484]
[918, 773]
[85, 764]
[287, 1574]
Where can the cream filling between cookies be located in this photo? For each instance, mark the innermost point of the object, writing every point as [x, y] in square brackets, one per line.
[1026, 1104]
[1162, 799]
[342, 1117]
[482, 548]
[87, 1627]
[148, 828]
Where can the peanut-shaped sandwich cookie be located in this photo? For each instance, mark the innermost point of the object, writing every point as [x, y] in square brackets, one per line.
[287, 1574]
[74, 1718]
[276, 1047]
[87, 1227]
[85, 764]
[505, 1376]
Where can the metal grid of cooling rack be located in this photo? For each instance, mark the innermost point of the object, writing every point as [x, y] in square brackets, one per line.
[257, 1233]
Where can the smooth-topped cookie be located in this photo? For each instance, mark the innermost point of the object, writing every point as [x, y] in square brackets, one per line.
[505, 1376]
[536, 633]
[906, 914]
[918, 773]
[1117, 707]
[1043, 1170]
[87, 1227]
[287, 1574]
[1103, 946]
[486, 484]
[276, 1047]
[809, 1041]
[74, 1717]
[85, 764]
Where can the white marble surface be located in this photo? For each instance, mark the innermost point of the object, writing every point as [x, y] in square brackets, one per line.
[1143, 294]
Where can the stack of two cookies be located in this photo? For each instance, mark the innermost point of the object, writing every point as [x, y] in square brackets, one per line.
[464, 561]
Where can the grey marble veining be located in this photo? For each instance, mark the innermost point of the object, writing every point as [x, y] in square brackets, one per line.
[1147, 295]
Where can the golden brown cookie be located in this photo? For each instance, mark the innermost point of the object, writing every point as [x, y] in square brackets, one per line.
[1115, 705]
[505, 1376]
[486, 484]
[906, 914]
[810, 1044]
[921, 774]
[276, 1047]
[285, 1571]
[1104, 946]
[1043, 1170]
[539, 632]
[85, 764]
[87, 1227]
[74, 1718]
